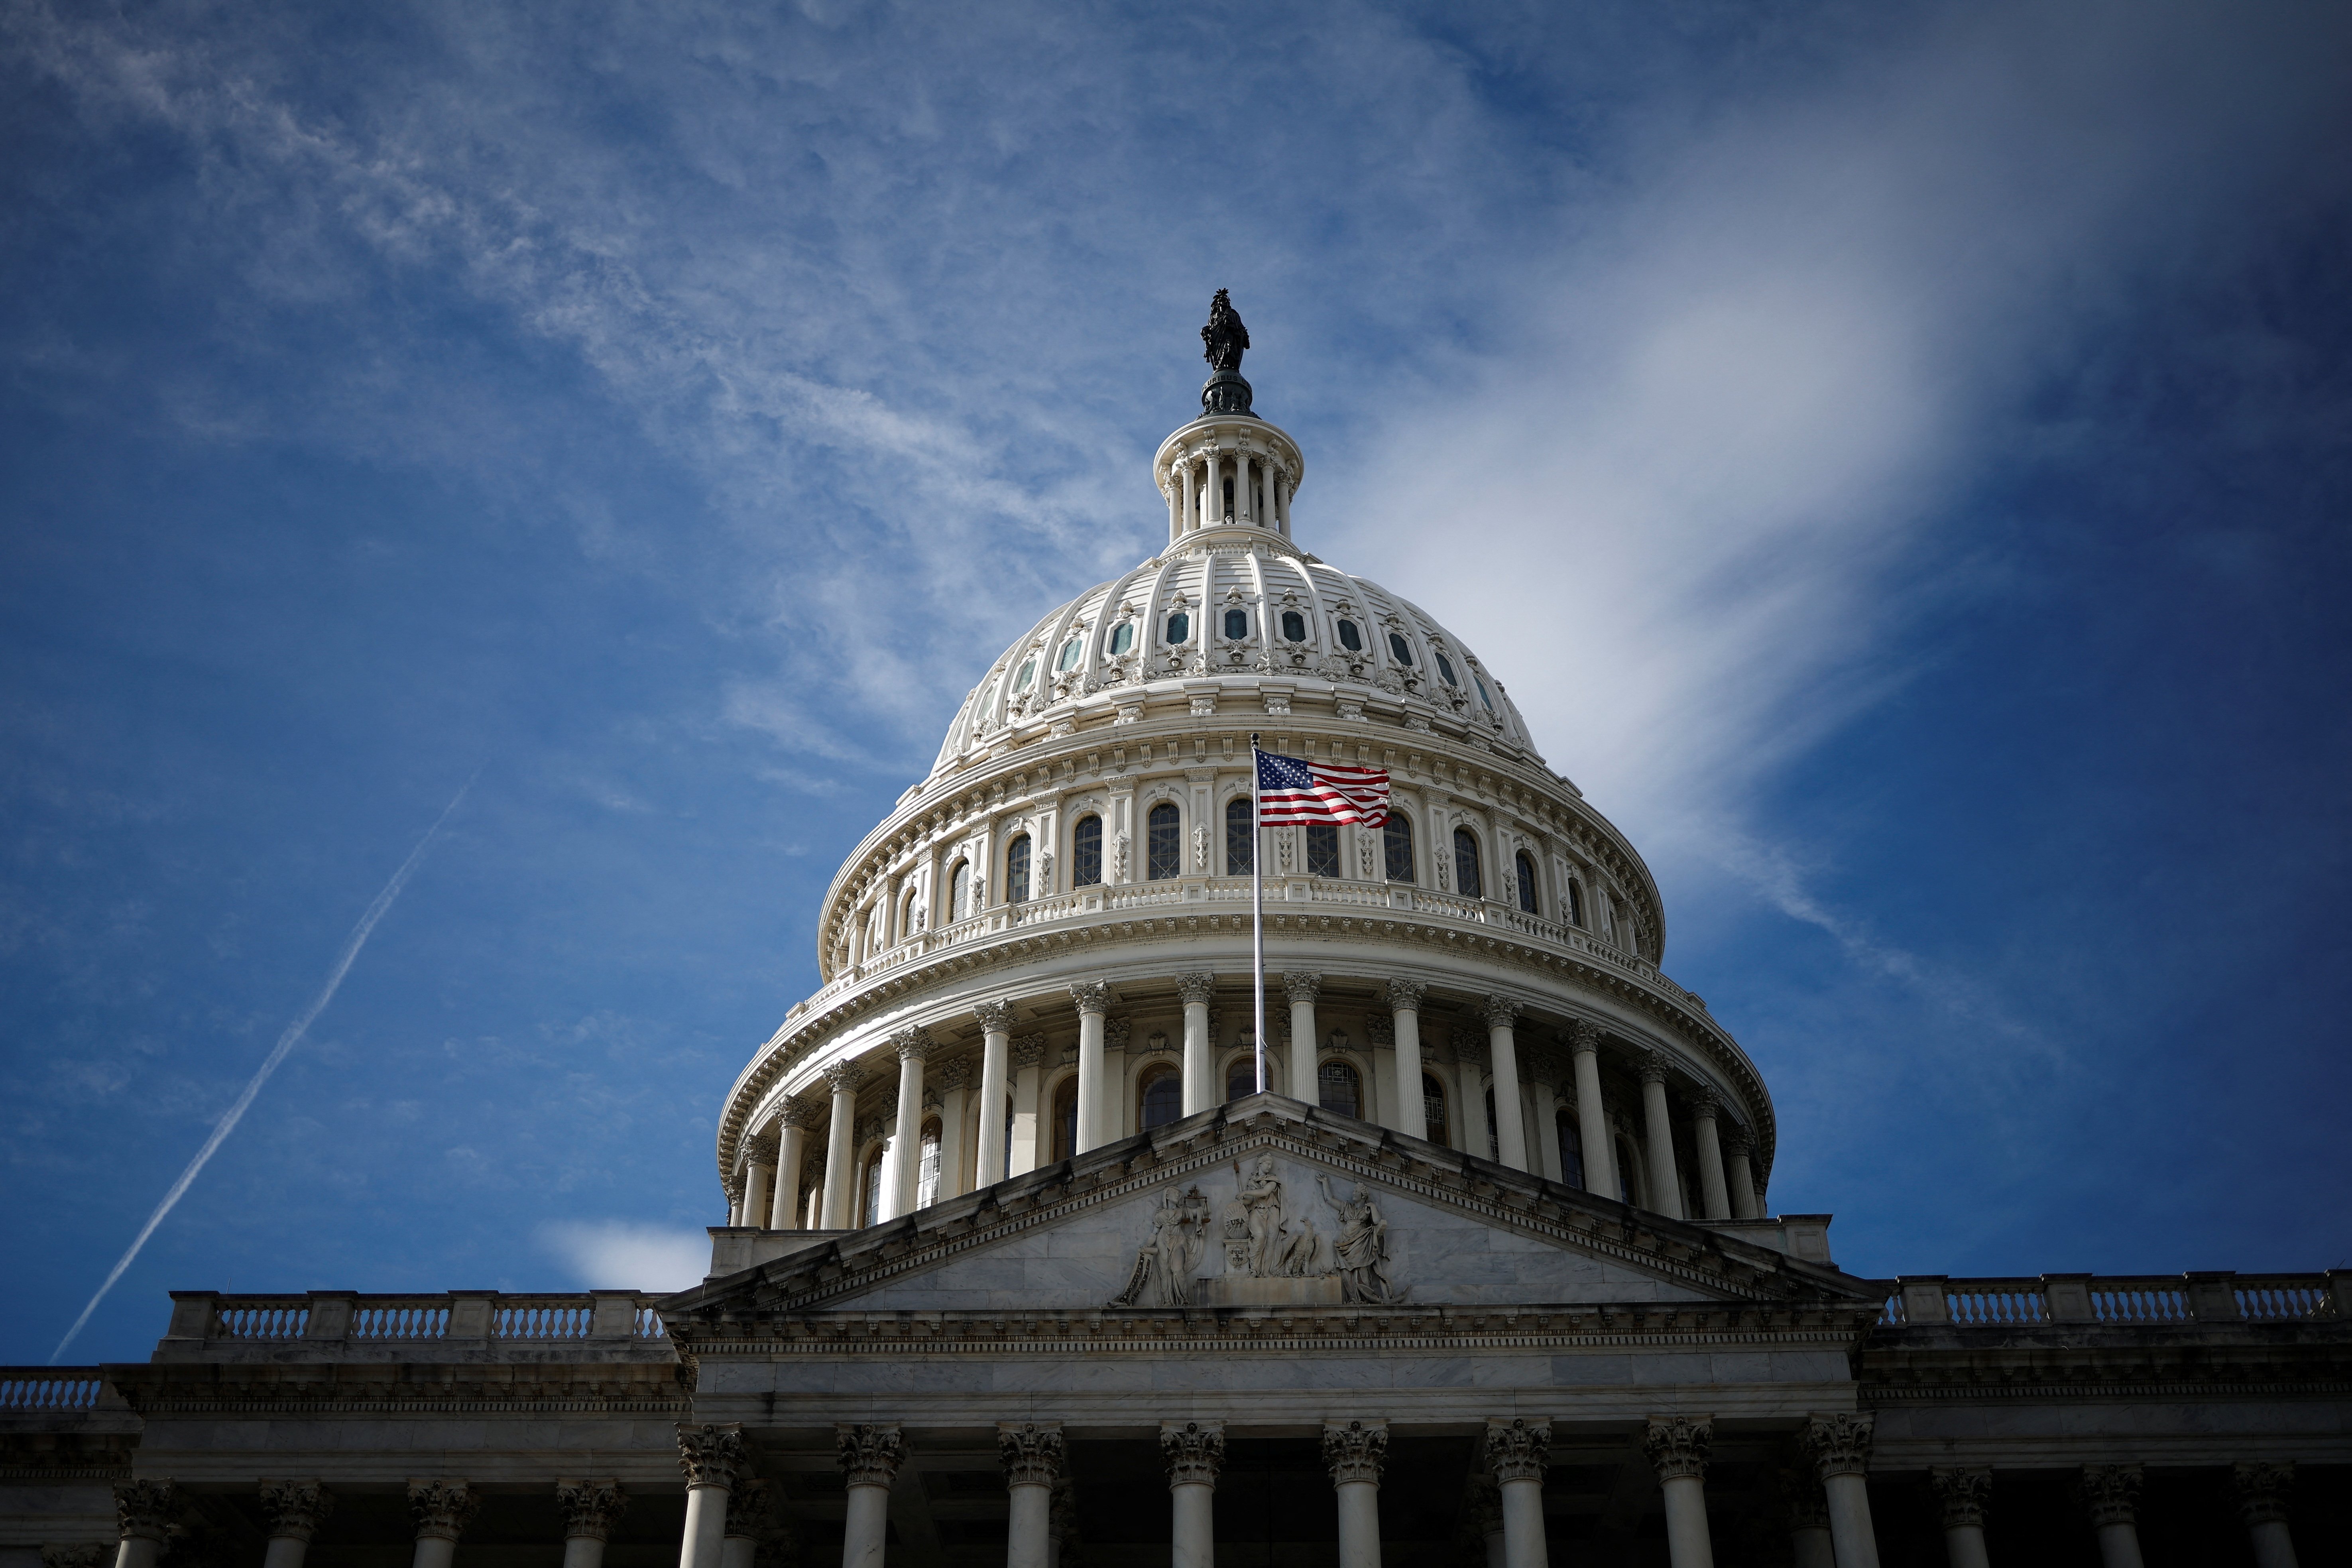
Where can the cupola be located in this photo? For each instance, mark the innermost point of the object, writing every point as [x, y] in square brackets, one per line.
[1227, 469]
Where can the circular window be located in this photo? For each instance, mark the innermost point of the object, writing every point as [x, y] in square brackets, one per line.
[1238, 624]
[1122, 637]
[1180, 626]
[1293, 626]
[1028, 673]
[1445, 670]
[1350, 637]
[1401, 649]
[1069, 654]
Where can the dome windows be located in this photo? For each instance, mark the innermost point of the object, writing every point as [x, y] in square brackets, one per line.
[1322, 849]
[1293, 626]
[1016, 871]
[1396, 842]
[1070, 651]
[1163, 844]
[1240, 841]
[959, 892]
[1236, 624]
[1350, 636]
[1527, 878]
[1466, 879]
[1445, 670]
[1179, 628]
[1401, 650]
[1085, 853]
[1480, 682]
[1122, 637]
[1028, 673]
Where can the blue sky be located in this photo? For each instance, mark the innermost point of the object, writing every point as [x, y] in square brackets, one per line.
[1899, 457]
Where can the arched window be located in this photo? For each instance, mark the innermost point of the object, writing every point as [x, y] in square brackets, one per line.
[1241, 841]
[1445, 670]
[1396, 839]
[1293, 626]
[1122, 637]
[1180, 626]
[908, 912]
[1401, 650]
[1322, 849]
[1432, 1110]
[1575, 902]
[872, 1186]
[1236, 624]
[1241, 1078]
[1065, 1118]
[1338, 1089]
[1164, 844]
[1466, 879]
[1028, 673]
[1480, 682]
[1016, 871]
[1070, 651]
[927, 1174]
[1572, 1147]
[959, 892]
[1527, 869]
[1086, 852]
[1160, 1098]
[1350, 637]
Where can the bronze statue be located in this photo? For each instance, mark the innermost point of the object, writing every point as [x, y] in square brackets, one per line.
[1224, 337]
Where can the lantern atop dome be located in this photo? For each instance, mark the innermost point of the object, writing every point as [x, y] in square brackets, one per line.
[1223, 341]
[1228, 475]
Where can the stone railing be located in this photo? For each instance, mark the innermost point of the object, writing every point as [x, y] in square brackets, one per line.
[2123, 1299]
[348, 1317]
[49, 1390]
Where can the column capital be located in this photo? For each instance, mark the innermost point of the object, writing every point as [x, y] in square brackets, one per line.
[1961, 1493]
[1654, 1066]
[844, 1077]
[1196, 990]
[1195, 1451]
[1404, 996]
[912, 1043]
[1583, 1036]
[1800, 1489]
[1839, 1445]
[1116, 1031]
[954, 1076]
[712, 1455]
[1091, 996]
[1028, 1051]
[591, 1509]
[146, 1511]
[1501, 1011]
[1705, 1105]
[750, 1510]
[995, 1017]
[1678, 1445]
[2263, 1486]
[2111, 1493]
[1353, 1450]
[1301, 987]
[870, 1455]
[1031, 1453]
[441, 1508]
[805, 1115]
[1738, 1140]
[294, 1510]
[1518, 1450]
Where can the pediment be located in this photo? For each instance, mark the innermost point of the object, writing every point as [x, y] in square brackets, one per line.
[1267, 1203]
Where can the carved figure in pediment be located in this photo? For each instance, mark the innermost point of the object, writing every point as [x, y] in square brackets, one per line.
[1163, 1267]
[1360, 1249]
[1260, 1201]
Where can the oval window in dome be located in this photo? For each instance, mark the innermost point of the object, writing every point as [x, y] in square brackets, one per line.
[1350, 637]
[1122, 637]
[1028, 673]
[1180, 626]
[1445, 670]
[1401, 649]
[1480, 682]
[1238, 624]
[1069, 654]
[1293, 626]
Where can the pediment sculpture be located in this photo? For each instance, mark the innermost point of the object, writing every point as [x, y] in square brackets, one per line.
[1273, 1251]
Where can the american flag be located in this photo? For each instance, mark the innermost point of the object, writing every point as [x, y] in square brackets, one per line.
[1292, 789]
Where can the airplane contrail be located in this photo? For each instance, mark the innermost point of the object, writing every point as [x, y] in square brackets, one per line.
[285, 1042]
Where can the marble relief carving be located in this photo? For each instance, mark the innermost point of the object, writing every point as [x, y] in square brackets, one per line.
[1273, 1251]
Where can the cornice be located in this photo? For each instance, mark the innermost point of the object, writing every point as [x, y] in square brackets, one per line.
[518, 1389]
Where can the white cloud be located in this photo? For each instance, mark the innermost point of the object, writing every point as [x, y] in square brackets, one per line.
[623, 1255]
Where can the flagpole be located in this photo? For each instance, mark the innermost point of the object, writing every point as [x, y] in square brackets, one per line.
[1257, 912]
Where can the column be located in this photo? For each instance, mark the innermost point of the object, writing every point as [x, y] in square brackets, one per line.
[1406, 1114]
[1543, 1114]
[1092, 997]
[1244, 488]
[1742, 1176]
[1591, 1117]
[294, 1510]
[1960, 1496]
[1486, 1507]
[1809, 1517]
[1200, 1062]
[1032, 1457]
[2111, 1495]
[590, 1509]
[1352, 1452]
[1213, 498]
[906, 1143]
[757, 1191]
[1195, 1451]
[1302, 989]
[1714, 1194]
[1510, 1128]
[1678, 1447]
[841, 1146]
[1516, 1454]
[955, 1098]
[711, 1456]
[2262, 1491]
[995, 1062]
[1110, 1116]
[440, 1509]
[751, 1516]
[144, 1511]
[1191, 497]
[1062, 1526]
[1265, 510]
[869, 1458]
[1281, 501]
[1839, 1446]
[1665, 1190]
[1028, 1108]
[1175, 508]
[791, 1159]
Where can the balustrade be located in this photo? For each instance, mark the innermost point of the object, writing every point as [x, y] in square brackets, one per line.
[63, 1389]
[2124, 1299]
[380, 1320]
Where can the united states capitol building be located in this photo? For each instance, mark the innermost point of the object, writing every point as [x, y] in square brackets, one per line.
[1021, 1266]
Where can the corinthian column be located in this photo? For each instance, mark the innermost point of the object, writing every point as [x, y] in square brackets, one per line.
[869, 1458]
[1714, 1194]
[711, 1456]
[294, 1510]
[1678, 1447]
[1516, 1454]
[145, 1513]
[1093, 999]
[751, 1514]
[1591, 1116]
[2111, 1495]
[1839, 1446]
[1742, 1176]
[2261, 1502]
[1200, 1067]
[1666, 1188]
[1302, 990]
[907, 1146]
[841, 1147]
[1352, 1452]
[1510, 1120]
[1960, 1496]
[441, 1510]
[590, 1509]
[792, 1155]
[1195, 1451]
[1809, 1519]
[995, 1066]
[1406, 1106]
[1032, 1457]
